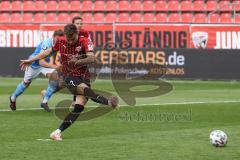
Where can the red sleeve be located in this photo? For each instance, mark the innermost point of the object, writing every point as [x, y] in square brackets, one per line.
[87, 45]
[56, 46]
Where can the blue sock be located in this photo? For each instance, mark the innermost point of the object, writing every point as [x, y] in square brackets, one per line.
[19, 90]
[52, 87]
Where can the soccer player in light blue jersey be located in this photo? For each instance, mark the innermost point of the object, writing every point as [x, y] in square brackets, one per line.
[35, 69]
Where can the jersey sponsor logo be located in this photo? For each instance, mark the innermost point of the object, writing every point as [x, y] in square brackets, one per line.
[200, 39]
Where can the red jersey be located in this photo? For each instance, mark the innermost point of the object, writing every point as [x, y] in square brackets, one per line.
[67, 52]
[85, 33]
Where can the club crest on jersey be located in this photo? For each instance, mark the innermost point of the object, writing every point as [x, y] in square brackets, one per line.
[78, 49]
[44, 48]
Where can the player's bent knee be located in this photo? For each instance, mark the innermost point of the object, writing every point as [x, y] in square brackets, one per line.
[27, 83]
[83, 85]
[81, 100]
[53, 76]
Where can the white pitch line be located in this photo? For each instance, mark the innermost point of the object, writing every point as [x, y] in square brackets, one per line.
[177, 103]
[21, 109]
[45, 140]
[141, 105]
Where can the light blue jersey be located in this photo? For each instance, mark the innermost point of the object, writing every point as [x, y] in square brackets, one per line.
[44, 45]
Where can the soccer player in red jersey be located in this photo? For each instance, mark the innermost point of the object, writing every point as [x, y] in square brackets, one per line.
[75, 72]
[77, 21]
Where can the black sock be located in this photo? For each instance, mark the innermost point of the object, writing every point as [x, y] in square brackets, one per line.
[71, 117]
[95, 100]
[95, 97]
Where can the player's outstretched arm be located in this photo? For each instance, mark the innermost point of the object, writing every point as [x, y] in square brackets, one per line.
[26, 62]
[45, 64]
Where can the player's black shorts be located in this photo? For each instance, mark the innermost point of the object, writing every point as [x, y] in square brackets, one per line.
[72, 82]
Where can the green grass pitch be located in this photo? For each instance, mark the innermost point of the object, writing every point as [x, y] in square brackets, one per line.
[142, 132]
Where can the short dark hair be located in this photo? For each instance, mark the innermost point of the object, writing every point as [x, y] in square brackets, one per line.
[75, 18]
[70, 29]
[58, 32]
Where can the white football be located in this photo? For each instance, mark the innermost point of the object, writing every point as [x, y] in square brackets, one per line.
[218, 138]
